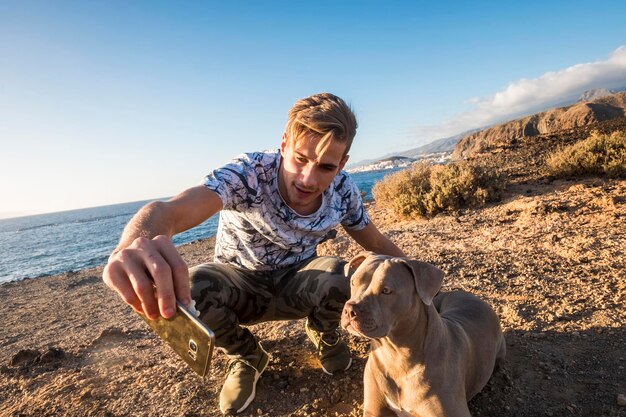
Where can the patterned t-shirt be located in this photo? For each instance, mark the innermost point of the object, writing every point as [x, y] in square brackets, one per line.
[259, 231]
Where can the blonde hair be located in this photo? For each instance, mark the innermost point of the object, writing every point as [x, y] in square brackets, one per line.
[323, 115]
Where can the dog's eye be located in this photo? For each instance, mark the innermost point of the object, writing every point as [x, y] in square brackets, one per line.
[386, 290]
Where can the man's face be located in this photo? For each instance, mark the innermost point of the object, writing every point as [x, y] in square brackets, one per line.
[304, 175]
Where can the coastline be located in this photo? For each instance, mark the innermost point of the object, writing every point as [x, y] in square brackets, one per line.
[29, 254]
[549, 261]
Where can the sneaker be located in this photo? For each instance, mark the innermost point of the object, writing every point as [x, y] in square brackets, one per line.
[239, 388]
[333, 351]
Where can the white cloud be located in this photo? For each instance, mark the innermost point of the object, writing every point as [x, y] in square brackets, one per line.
[527, 96]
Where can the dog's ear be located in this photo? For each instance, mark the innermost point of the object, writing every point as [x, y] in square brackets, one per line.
[428, 279]
[356, 262]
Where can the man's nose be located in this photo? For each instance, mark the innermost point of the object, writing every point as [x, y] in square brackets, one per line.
[308, 177]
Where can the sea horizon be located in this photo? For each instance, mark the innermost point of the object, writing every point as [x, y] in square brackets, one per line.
[45, 244]
[22, 215]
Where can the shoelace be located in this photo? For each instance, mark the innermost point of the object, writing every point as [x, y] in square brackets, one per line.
[334, 334]
[240, 363]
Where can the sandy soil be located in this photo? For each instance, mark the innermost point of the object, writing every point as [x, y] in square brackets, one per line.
[549, 257]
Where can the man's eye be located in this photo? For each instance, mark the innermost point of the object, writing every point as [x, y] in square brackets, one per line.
[386, 290]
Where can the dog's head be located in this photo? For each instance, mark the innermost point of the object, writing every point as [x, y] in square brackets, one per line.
[384, 289]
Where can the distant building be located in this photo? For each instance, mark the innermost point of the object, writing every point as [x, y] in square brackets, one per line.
[402, 162]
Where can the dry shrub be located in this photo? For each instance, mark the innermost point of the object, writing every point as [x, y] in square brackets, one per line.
[425, 190]
[404, 192]
[600, 154]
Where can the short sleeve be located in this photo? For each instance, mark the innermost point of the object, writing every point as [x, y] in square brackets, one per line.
[235, 183]
[356, 217]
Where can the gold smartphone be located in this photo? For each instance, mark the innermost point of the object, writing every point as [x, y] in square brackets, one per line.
[191, 339]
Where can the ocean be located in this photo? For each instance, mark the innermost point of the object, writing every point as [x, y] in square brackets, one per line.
[54, 243]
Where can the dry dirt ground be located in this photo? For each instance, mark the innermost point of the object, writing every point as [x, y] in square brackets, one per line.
[549, 257]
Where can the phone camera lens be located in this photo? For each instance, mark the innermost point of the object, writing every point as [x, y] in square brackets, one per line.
[193, 346]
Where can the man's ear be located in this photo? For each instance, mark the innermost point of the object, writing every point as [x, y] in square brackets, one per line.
[283, 144]
[343, 162]
[428, 279]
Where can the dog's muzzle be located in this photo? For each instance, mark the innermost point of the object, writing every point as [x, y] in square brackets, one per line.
[356, 319]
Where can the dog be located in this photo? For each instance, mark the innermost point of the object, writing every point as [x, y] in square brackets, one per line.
[431, 352]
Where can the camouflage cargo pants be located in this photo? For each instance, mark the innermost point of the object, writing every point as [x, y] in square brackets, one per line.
[228, 297]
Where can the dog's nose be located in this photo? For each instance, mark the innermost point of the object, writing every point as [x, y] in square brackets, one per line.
[350, 309]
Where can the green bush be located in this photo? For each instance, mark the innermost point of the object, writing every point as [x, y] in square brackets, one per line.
[599, 154]
[425, 190]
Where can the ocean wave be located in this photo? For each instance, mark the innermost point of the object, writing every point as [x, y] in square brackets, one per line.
[75, 221]
[73, 240]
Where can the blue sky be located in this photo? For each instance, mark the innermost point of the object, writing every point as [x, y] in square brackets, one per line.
[107, 102]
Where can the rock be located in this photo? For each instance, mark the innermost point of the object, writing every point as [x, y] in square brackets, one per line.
[52, 355]
[335, 397]
[621, 399]
[25, 357]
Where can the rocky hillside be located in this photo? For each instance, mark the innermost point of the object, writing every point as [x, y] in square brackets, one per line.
[596, 93]
[555, 120]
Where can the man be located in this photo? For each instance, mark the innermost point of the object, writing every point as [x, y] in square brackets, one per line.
[275, 207]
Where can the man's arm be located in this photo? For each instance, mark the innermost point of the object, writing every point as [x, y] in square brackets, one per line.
[371, 239]
[146, 254]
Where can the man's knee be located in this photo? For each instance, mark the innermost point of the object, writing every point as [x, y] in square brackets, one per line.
[207, 283]
[335, 283]
[331, 264]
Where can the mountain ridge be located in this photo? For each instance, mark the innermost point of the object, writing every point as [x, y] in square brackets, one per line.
[448, 144]
[580, 114]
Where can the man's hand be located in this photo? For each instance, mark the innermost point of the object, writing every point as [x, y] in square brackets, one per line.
[146, 267]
